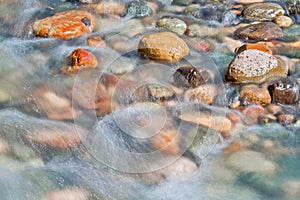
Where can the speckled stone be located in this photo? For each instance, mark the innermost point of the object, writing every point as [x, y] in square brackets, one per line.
[262, 12]
[260, 96]
[283, 21]
[254, 66]
[110, 7]
[165, 46]
[284, 91]
[138, 9]
[65, 25]
[204, 93]
[172, 24]
[260, 31]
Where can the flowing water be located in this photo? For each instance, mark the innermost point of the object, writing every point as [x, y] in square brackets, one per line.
[114, 159]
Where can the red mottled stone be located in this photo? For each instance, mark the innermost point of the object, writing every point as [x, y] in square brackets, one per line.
[65, 25]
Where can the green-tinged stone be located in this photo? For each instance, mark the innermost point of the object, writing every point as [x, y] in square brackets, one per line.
[172, 24]
[138, 9]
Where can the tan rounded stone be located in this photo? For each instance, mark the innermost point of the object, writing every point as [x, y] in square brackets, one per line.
[258, 96]
[254, 66]
[204, 93]
[283, 21]
[110, 7]
[163, 46]
[96, 41]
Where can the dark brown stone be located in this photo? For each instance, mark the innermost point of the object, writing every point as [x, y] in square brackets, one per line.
[188, 76]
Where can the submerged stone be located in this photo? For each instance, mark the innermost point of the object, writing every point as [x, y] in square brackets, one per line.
[172, 24]
[260, 31]
[138, 9]
[65, 25]
[262, 12]
[165, 46]
[254, 66]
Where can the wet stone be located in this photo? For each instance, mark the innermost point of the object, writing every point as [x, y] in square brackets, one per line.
[283, 21]
[163, 46]
[172, 24]
[110, 7]
[182, 2]
[258, 96]
[204, 93]
[254, 66]
[81, 59]
[96, 41]
[188, 76]
[286, 119]
[65, 25]
[257, 46]
[260, 31]
[284, 91]
[138, 9]
[262, 12]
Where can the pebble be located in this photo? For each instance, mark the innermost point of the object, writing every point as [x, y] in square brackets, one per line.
[260, 96]
[138, 9]
[181, 167]
[81, 59]
[165, 46]
[110, 8]
[262, 12]
[284, 91]
[189, 76]
[274, 109]
[182, 2]
[219, 123]
[254, 66]
[258, 46]
[283, 21]
[96, 41]
[67, 194]
[56, 135]
[250, 161]
[172, 24]
[53, 105]
[248, 1]
[167, 140]
[201, 31]
[65, 25]
[260, 31]
[286, 119]
[252, 113]
[204, 93]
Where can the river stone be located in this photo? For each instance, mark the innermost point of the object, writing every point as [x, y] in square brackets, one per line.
[110, 7]
[262, 12]
[189, 76]
[250, 161]
[283, 21]
[165, 46]
[254, 66]
[258, 46]
[260, 31]
[65, 25]
[260, 96]
[285, 91]
[172, 24]
[138, 9]
[204, 93]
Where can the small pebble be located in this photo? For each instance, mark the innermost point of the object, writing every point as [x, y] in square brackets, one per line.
[283, 21]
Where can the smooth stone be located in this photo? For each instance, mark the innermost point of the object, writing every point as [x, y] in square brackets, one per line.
[262, 12]
[182, 2]
[252, 113]
[286, 119]
[260, 31]
[250, 161]
[165, 46]
[81, 59]
[248, 1]
[71, 193]
[196, 30]
[189, 76]
[219, 123]
[260, 96]
[254, 66]
[122, 65]
[258, 46]
[110, 7]
[96, 41]
[283, 21]
[181, 167]
[53, 105]
[284, 91]
[138, 9]
[153, 92]
[204, 93]
[172, 24]
[65, 25]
